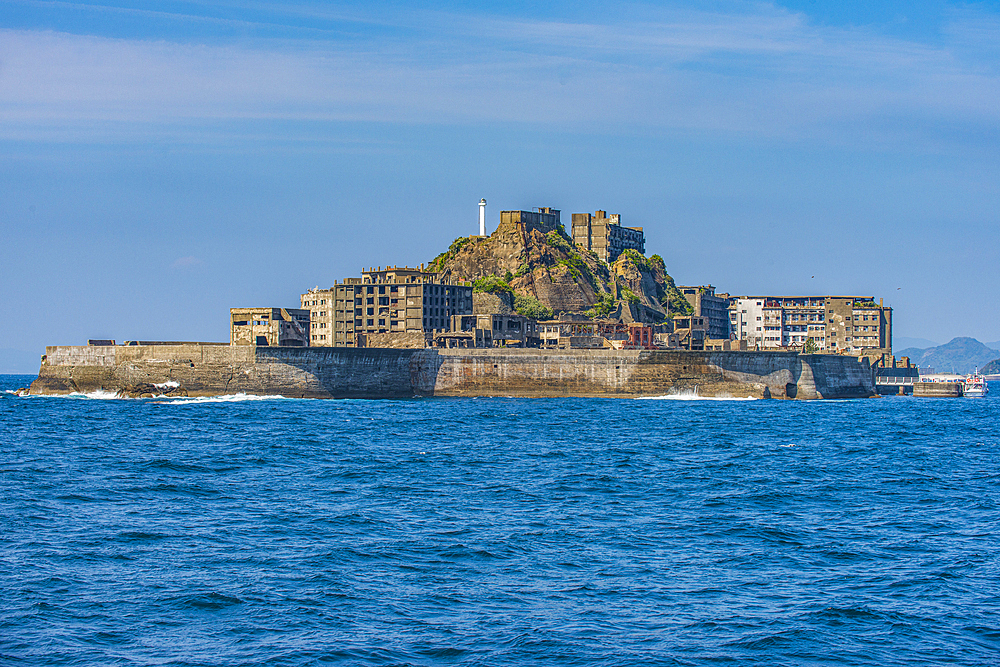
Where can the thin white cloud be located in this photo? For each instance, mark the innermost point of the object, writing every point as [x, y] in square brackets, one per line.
[186, 262]
[765, 72]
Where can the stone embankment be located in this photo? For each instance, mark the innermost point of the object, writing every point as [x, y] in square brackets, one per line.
[212, 370]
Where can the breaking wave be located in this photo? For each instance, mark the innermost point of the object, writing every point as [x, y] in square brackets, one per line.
[164, 385]
[226, 398]
[692, 395]
[100, 395]
[103, 395]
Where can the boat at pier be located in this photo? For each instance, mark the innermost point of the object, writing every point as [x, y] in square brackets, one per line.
[975, 386]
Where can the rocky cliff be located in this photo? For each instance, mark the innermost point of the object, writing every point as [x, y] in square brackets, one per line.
[547, 274]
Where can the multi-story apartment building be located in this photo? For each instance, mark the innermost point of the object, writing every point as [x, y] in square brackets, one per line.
[714, 308]
[605, 236]
[848, 324]
[269, 326]
[390, 300]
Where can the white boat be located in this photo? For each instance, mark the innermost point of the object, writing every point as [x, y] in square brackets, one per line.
[975, 386]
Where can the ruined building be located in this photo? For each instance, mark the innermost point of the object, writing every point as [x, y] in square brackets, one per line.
[395, 300]
[269, 326]
[544, 219]
[714, 308]
[605, 236]
[848, 324]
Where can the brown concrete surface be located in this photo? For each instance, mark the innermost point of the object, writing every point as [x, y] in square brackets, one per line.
[211, 370]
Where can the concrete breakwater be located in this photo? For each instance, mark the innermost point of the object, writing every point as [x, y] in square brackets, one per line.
[212, 370]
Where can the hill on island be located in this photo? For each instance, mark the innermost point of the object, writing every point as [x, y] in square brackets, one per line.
[992, 368]
[544, 274]
[959, 355]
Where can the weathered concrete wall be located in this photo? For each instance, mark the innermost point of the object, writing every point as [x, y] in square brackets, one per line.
[207, 370]
[938, 389]
[413, 340]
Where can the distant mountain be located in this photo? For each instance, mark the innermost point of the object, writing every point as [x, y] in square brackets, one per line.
[959, 355]
[904, 342]
[991, 368]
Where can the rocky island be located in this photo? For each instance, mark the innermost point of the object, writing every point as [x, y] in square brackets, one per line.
[594, 316]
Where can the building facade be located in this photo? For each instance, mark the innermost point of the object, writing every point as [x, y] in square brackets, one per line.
[495, 330]
[690, 332]
[836, 324]
[714, 308]
[543, 219]
[390, 300]
[605, 236]
[269, 326]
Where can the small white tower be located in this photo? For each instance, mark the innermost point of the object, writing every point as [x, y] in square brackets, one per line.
[482, 217]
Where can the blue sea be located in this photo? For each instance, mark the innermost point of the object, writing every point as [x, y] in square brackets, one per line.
[245, 531]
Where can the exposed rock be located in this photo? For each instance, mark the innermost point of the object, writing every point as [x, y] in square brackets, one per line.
[485, 303]
[148, 390]
[560, 275]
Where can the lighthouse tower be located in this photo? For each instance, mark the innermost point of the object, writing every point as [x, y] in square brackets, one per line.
[482, 217]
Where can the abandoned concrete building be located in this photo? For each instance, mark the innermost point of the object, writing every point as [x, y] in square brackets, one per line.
[394, 300]
[543, 219]
[836, 324]
[605, 235]
[269, 326]
[490, 330]
[712, 307]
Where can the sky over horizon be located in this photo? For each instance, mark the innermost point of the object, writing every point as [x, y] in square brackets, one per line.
[162, 162]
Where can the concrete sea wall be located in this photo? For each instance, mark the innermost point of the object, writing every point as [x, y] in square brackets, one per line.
[211, 370]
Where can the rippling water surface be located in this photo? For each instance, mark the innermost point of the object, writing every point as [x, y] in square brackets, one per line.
[498, 531]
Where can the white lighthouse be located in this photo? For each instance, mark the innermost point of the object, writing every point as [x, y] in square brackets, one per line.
[482, 217]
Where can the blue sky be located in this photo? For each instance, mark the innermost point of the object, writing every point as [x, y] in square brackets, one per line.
[161, 162]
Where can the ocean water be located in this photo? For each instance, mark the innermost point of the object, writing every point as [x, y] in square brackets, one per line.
[498, 531]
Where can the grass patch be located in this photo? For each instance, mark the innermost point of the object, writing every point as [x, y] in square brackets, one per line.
[529, 306]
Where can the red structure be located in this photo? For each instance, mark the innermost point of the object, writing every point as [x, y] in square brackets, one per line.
[640, 335]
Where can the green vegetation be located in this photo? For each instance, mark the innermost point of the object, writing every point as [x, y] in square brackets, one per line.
[529, 306]
[604, 307]
[991, 368]
[491, 284]
[579, 269]
[810, 347]
[630, 296]
[557, 240]
[522, 270]
[865, 304]
[636, 258]
[673, 301]
[437, 264]
[508, 276]
[667, 293]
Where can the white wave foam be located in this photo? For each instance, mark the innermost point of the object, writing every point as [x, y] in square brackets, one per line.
[100, 395]
[692, 395]
[165, 385]
[227, 398]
